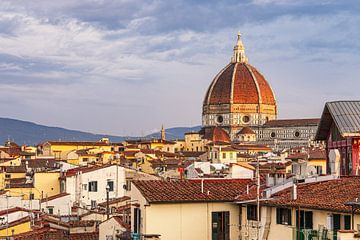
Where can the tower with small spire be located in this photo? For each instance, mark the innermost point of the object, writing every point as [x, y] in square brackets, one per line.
[162, 133]
[239, 51]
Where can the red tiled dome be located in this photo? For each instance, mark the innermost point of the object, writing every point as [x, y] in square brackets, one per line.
[217, 134]
[239, 83]
[246, 130]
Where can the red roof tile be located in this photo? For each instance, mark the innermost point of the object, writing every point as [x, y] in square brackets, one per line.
[329, 195]
[157, 191]
[217, 134]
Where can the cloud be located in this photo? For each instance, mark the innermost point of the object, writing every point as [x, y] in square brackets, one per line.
[133, 65]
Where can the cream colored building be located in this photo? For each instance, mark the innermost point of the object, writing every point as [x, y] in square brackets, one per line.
[318, 210]
[187, 210]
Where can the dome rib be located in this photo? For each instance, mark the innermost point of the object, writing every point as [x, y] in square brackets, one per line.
[239, 83]
[256, 83]
[210, 89]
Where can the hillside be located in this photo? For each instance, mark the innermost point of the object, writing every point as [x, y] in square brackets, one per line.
[24, 132]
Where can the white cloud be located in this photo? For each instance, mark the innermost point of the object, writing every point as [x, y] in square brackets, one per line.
[91, 70]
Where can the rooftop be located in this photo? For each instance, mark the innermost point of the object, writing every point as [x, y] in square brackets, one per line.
[292, 122]
[329, 195]
[345, 115]
[225, 190]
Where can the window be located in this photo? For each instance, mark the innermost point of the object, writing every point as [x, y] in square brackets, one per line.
[137, 220]
[50, 210]
[306, 219]
[273, 134]
[297, 134]
[128, 184]
[219, 119]
[347, 222]
[85, 187]
[251, 211]
[93, 204]
[246, 119]
[220, 225]
[224, 155]
[110, 183]
[31, 196]
[283, 216]
[93, 186]
[7, 175]
[318, 170]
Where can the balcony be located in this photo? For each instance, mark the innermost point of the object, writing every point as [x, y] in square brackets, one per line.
[312, 234]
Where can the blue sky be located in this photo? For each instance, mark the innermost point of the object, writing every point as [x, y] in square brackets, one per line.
[125, 67]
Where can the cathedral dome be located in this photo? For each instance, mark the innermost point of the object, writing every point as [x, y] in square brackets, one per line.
[238, 96]
[239, 83]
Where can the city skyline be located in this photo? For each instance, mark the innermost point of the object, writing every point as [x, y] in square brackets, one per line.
[125, 68]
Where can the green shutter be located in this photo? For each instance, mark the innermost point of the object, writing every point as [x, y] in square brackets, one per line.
[347, 222]
[278, 215]
[289, 216]
[227, 225]
[215, 225]
[309, 220]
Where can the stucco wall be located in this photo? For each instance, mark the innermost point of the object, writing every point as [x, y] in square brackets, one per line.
[187, 221]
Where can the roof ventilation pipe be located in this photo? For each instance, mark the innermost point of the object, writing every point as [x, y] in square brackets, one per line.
[294, 191]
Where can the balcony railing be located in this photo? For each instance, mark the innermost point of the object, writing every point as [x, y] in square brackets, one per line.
[312, 234]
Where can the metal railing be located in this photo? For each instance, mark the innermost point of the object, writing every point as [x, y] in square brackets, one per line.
[312, 234]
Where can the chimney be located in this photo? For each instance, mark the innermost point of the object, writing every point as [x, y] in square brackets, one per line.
[294, 192]
[202, 185]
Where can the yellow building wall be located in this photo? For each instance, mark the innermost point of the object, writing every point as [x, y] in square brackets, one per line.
[13, 162]
[12, 175]
[48, 183]
[45, 184]
[319, 162]
[188, 221]
[65, 149]
[18, 229]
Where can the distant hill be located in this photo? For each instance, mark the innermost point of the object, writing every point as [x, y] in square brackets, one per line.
[24, 132]
[175, 133]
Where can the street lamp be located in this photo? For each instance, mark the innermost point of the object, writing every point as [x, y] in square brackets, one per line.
[107, 201]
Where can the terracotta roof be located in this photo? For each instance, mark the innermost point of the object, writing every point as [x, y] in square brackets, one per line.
[84, 236]
[17, 222]
[115, 200]
[246, 130]
[217, 134]
[244, 164]
[157, 191]
[329, 195]
[79, 143]
[292, 122]
[72, 172]
[54, 197]
[241, 82]
[12, 210]
[124, 225]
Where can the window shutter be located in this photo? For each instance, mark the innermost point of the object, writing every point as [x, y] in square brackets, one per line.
[214, 225]
[308, 220]
[289, 216]
[278, 216]
[227, 225]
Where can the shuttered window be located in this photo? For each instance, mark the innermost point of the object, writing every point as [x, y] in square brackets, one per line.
[283, 216]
